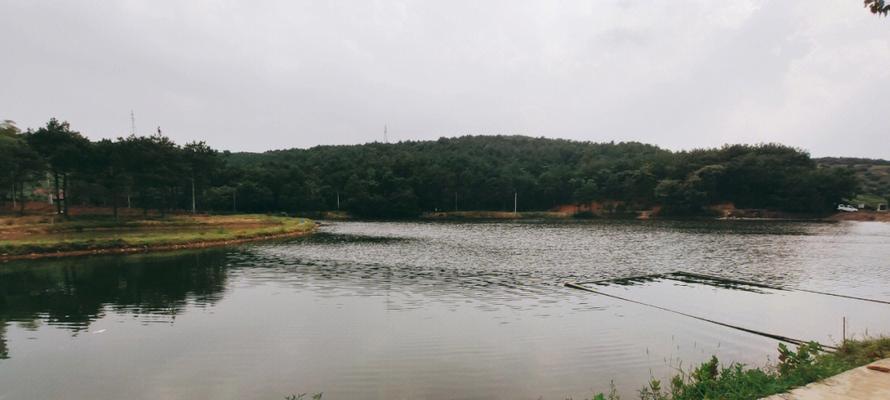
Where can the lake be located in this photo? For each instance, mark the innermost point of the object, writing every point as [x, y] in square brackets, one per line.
[439, 310]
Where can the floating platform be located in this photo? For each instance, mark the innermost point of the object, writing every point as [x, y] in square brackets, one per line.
[789, 315]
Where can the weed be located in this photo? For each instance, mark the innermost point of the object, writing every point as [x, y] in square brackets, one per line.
[808, 363]
[302, 396]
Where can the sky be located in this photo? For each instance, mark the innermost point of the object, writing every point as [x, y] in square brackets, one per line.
[260, 75]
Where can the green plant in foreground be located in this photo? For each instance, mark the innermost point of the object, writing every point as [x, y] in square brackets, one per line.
[613, 393]
[809, 363]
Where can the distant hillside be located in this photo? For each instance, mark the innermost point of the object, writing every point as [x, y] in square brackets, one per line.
[491, 172]
[874, 174]
[406, 179]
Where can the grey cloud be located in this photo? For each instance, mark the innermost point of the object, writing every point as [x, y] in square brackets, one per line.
[276, 74]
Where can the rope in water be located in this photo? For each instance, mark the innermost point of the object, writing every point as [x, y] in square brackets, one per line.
[738, 282]
[786, 339]
[703, 276]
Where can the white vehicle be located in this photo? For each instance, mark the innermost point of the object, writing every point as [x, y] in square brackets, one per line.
[847, 208]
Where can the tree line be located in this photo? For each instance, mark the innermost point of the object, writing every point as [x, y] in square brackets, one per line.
[383, 180]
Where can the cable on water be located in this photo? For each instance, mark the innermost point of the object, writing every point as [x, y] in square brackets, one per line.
[717, 278]
[786, 339]
[737, 282]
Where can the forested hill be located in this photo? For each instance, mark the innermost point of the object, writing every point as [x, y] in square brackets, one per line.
[873, 174]
[484, 172]
[406, 178]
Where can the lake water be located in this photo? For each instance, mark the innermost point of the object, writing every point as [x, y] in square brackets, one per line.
[401, 310]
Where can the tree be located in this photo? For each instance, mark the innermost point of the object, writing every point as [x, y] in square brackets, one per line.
[8, 128]
[156, 166]
[202, 162]
[679, 198]
[877, 7]
[64, 151]
[109, 169]
[18, 165]
[404, 179]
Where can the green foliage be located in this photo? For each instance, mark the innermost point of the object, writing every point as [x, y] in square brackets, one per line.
[680, 197]
[809, 363]
[873, 175]
[8, 128]
[402, 180]
[19, 163]
[483, 173]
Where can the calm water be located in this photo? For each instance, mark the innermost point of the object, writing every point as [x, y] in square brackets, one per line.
[427, 310]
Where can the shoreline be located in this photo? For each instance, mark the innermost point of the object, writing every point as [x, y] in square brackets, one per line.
[758, 215]
[157, 248]
[26, 240]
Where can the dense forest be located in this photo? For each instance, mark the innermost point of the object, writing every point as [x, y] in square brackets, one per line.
[406, 178]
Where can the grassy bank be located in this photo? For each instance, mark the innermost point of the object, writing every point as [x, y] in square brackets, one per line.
[42, 236]
[806, 364]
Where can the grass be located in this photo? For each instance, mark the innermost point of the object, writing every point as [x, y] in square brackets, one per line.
[42, 235]
[809, 363]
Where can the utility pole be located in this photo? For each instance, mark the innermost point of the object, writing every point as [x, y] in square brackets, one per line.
[515, 198]
[385, 138]
[338, 200]
[193, 196]
[132, 123]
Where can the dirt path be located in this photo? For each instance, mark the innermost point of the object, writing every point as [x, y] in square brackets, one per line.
[861, 383]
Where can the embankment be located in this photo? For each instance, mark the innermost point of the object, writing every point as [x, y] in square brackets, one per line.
[47, 236]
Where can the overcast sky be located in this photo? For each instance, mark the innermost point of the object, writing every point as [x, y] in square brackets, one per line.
[260, 75]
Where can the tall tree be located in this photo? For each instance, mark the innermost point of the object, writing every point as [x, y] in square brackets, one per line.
[109, 169]
[65, 153]
[19, 164]
[201, 162]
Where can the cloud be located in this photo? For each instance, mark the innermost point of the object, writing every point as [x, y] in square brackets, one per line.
[277, 74]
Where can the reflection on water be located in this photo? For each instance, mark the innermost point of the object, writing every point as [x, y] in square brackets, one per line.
[71, 293]
[4, 350]
[417, 310]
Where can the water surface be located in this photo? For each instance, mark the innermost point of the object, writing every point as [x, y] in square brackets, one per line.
[420, 310]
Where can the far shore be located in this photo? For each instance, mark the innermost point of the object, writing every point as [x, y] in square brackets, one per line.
[41, 236]
[734, 215]
[44, 235]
